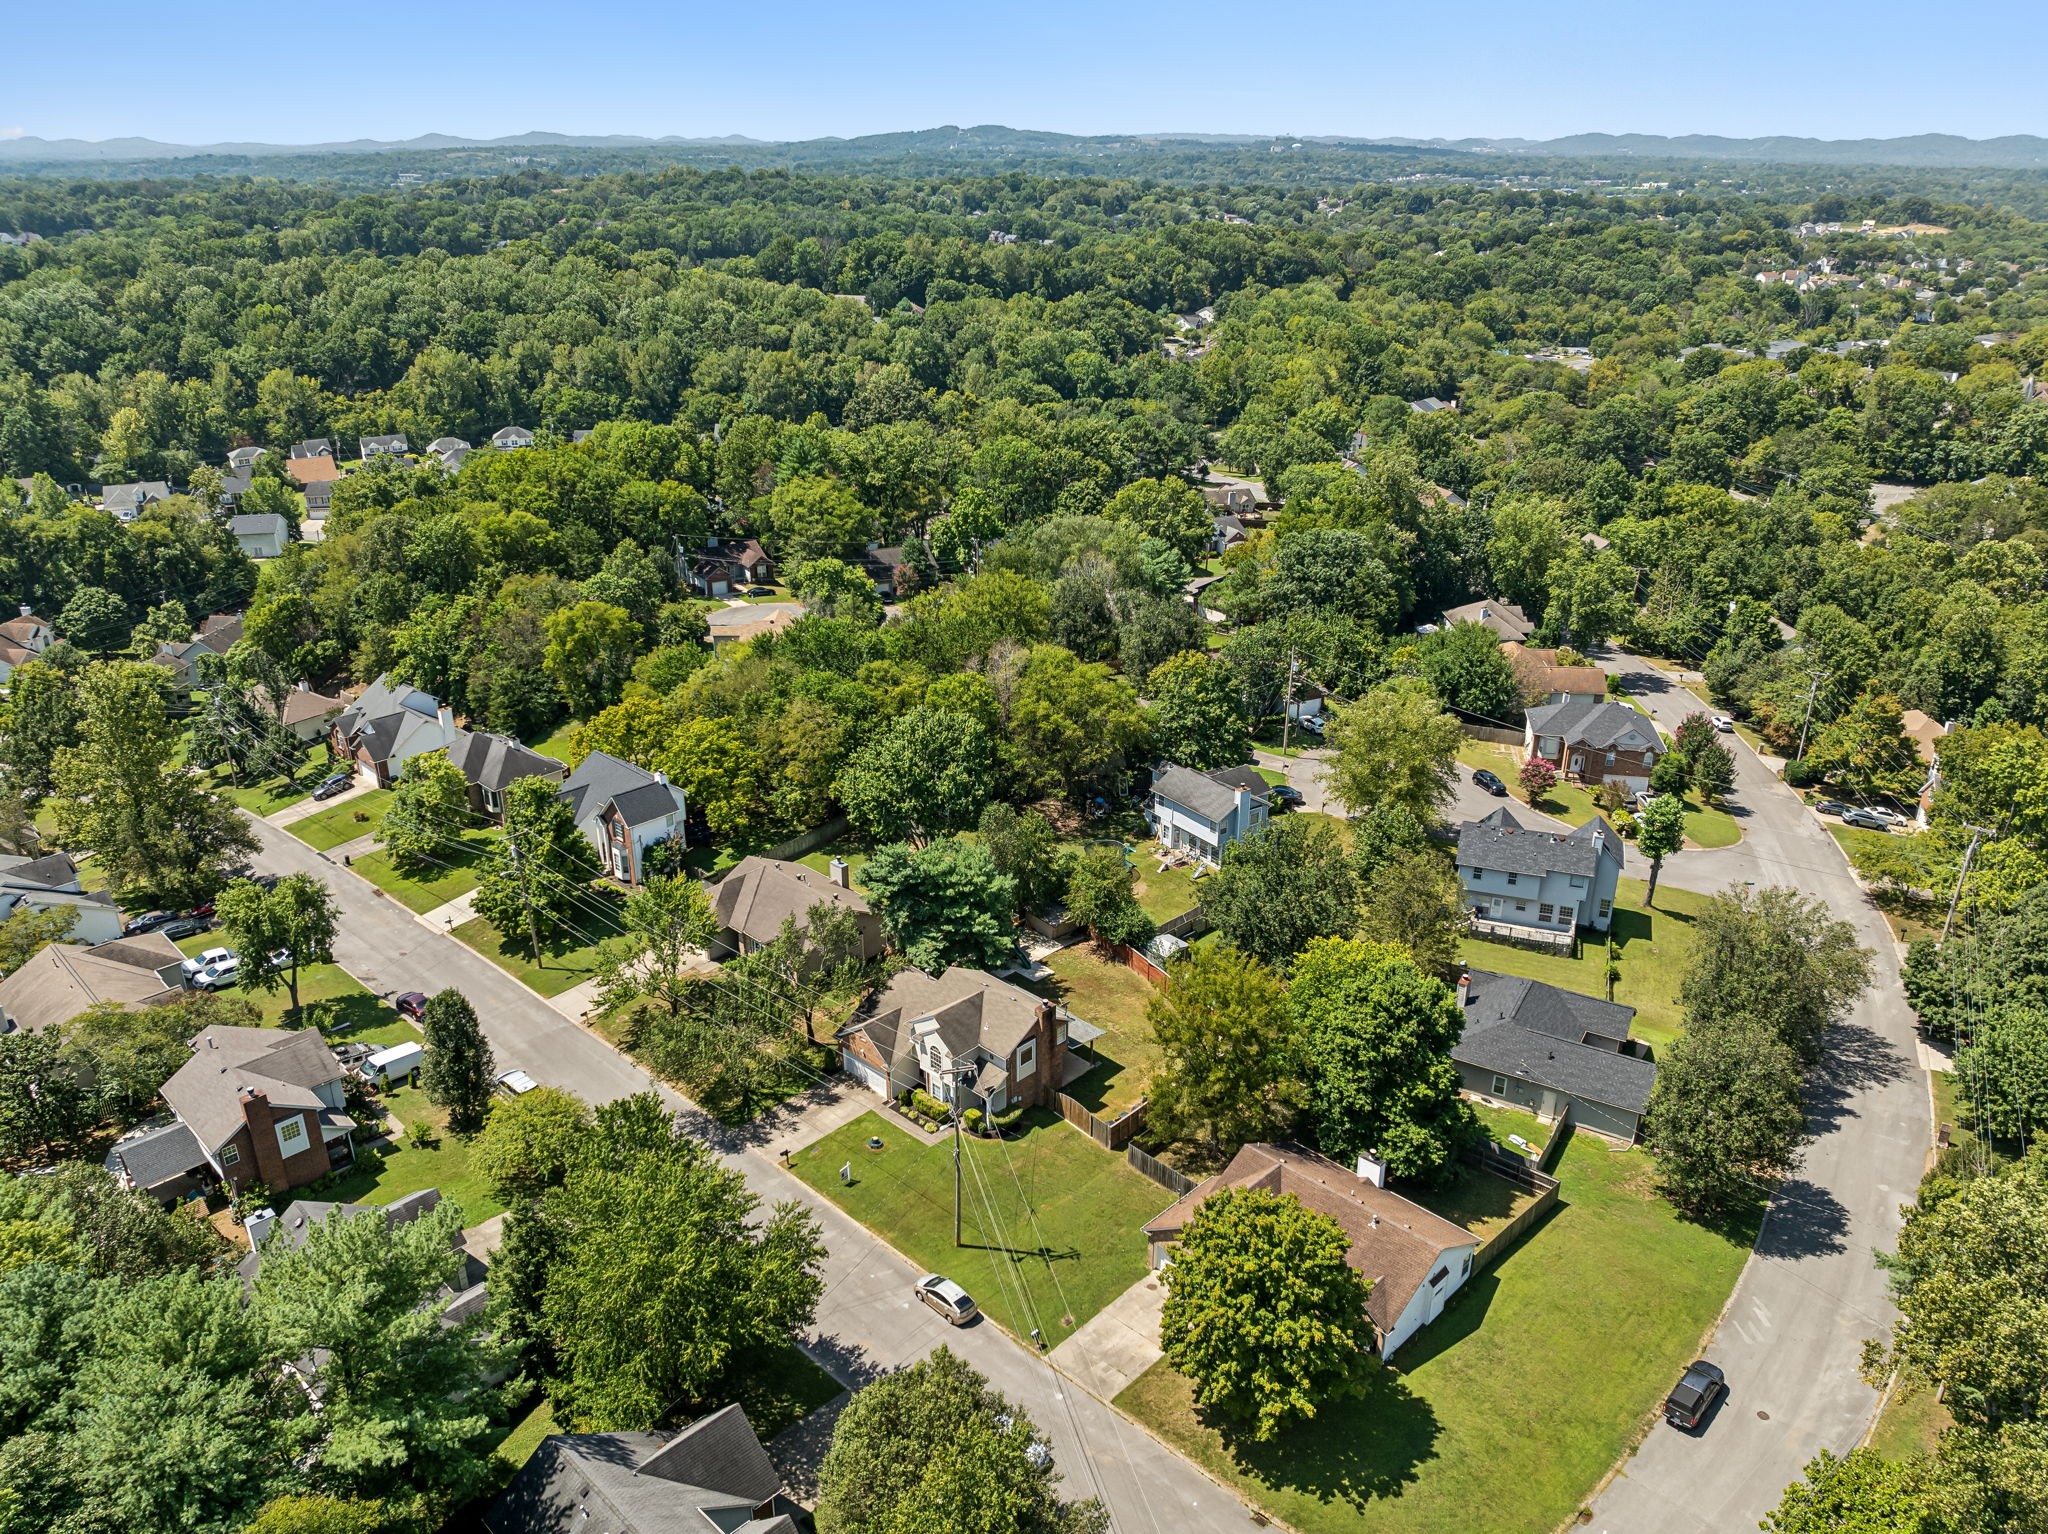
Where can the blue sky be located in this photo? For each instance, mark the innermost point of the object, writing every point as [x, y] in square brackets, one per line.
[206, 72]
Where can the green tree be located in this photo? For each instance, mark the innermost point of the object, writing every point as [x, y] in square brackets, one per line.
[719, 771]
[1264, 1313]
[832, 588]
[28, 931]
[94, 619]
[458, 1071]
[816, 518]
[1288, 882]
[942, 904]
[539, 872]
[1858, 1493]
[1394, 746]
[926, 772]
[668, 925]
[590, 653]
[1775, 955]
[1660, 831]
[529, 1141]
[1466, 667]
[931, 1446]
[155, 830]
[295, 917]
[1102, 896]
[1072, 725]
[129, 1053]
[1170, 510]
[1231, 1072]
[43, 720]
[1378, 1034]
[1027, 851]
[318, 1514]
[1197, 713]
[664, 1275]
[1725, 1116]
[1868, 752]
[429, 811]
[42, 1104]
[1414, 900]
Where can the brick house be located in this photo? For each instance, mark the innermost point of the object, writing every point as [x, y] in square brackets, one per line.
[265, 1105]
[1595, 742]
[963, 1036]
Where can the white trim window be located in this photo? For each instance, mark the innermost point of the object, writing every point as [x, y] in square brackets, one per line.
[291, 1135]
[1027, 1058]
[1500, 1086]
[231, 1155]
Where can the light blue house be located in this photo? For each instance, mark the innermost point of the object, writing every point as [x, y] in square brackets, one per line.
[1204, 812]
[1536, 885]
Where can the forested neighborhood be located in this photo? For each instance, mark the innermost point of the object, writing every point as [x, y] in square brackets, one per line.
[811, 847]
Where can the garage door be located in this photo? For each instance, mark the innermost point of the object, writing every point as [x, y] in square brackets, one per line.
[863, 1073]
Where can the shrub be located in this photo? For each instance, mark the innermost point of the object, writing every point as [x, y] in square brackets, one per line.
[1624, 823]
[421, 1135]
[1537, 777]
[1008, 1118]
[923, 1102]
[1801, 774]
[972, 1119]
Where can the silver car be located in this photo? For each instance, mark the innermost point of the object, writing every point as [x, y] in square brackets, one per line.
[947, 1298]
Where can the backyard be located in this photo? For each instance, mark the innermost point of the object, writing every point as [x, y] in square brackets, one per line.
[1053, 1226]
[343, 822]
[1653, 951]
[1501, 1416]
[1704, 825]
[1113, 997]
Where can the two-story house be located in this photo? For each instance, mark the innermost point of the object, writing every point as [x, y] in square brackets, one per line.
[23, 639]
[450, 451]
[508, 438]
[390, 445]
[126, 501]
[389, 725]
[1542, 885]
[624, 810]
[723, 568]
[965, 1037]
[1204, 812]
[1594, 742]
[264, 1105]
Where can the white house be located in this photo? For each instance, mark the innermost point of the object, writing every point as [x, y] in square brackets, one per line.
[50, 883]
[389, 725]
[23, 639]
[507, 437]
[391, 445]
[624, 810]
[260, 535]
[1541, 884]
[1204, 812]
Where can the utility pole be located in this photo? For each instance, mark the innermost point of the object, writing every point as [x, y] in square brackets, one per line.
[525, 894]
[960, 1079]
[1287, 705]
[1977, 835]
[1811, 693]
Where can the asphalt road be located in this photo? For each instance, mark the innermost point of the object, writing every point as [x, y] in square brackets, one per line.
[866, 1322]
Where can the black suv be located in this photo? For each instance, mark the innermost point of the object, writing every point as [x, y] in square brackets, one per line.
[1694, 1395]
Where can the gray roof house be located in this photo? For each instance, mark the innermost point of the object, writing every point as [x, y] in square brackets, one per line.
[711, 1478]
[1535, 885]
[124, 501]
[61, 980]
[507, 437]
[391, 445]
[1535, 1046]
[265, 1105]
[162, 1159]
[319, 496]
[312, 447]
[451, 451]
[1204, 812]
[492, 763]
[963, 1036]
[624, 810]
[1594, 742]
[261, 535]
[291, 1231]
[1505, 619]
[50, 883]
[759, 894]
[389, 725]
[244, 457]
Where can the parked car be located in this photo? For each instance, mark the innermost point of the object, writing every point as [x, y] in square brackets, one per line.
[1642, 799]
[1313, 723]
[947, 1298]
[1832, 807]
[279, 959]
[1889, 816]
[1489, 780]
[516, 1083]
[205, 960]
[1865, 819]
[1694, 1395]
[206, 910]
[333, 784]
[1724, 724]
[413, 1004]
[760, 591]
[1286, 796]
[148, 921]
[353, 1054]
[184, 926]
[219, 975]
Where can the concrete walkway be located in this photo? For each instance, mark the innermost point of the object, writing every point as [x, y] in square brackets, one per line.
[1118, 1343]
[446, 918]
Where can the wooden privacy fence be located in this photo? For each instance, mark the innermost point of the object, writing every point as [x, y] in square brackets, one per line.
[1492, 733]
[1139, 963]
[1110, 1134]
[811, 840]
[1500, 1162]
[1176, 1183]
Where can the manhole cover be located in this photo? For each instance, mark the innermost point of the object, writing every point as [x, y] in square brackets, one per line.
[1763, 1416]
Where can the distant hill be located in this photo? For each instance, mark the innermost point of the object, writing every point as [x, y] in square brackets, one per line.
[1926, 150]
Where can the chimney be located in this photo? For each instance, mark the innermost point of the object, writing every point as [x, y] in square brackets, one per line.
[305, 686]
[258, 1224]
[661, 777]
[1374, 1170]
[447, 717]
[1465, 989]
[27, 611]
[837, 868]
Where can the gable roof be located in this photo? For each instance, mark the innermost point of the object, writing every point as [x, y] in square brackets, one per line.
[319, 469]
[258, 524]
[495, 761]
[759, 894]
[1211, 795]
[155, 1154]
[122, 497]
[506, 436]
[61, 980]
[53, 870]
[973, 1010]
[1539, 672]
[390, 442]
[1600, 726]
[284, 1064]
[295, 1227]
[24, 628]
[1554, 1038]
[220, 631]
[1504, 618]
[602, 779]
[1499, 841]
[302, 704]
[373, 720]
[1394, 1243]
[313, 447]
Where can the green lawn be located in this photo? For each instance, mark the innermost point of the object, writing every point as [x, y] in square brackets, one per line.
[1164, 895]
[332, 1000]
[442, 885]
[777, 1387]
[1502, 1415]
[1086, 1247]
[408, 1169]
[1705, 826]
[820, 861]
[1112, 996]
[517, 1446]
[556, 742]
[1654, 949]
[343, 822]
[273, 794]
[1909, 1424]
[570, 960]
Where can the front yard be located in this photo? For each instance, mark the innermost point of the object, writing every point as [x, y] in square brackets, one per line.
[329, 996]
[1705, 826]
[454, 875]
[408, 1168]
[1653, 950]
[1053, 1224]
[1501, 1416]
[343, 822]
[270, 795]
[570, 959]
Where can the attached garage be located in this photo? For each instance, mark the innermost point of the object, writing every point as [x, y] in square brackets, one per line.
[863, 1072]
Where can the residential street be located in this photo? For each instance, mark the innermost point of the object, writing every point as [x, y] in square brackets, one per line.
[866, 1322]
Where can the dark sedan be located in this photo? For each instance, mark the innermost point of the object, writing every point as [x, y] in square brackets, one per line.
[337, 783]
[149, 921]
[184, 926]
[1490, 781]
[1695, 1394]
[1286, 796]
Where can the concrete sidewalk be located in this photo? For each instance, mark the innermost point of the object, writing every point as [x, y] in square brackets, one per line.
[1118, 1343]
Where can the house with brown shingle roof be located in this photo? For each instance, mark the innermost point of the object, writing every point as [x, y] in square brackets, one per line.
[23, 639]
[1540, 678]
[759, 894]
[1414, 1260]
[264, 1104]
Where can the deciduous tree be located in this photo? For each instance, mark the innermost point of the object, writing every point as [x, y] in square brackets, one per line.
[927, 772]
[1232, 1071]
[1394, 746]
[429, 811]
[1197, 714]
[295, 917]
[1778, 956]
[943, 903]
[1725, 1116]
[457, 1071]
[1286, 883]
[1101, 896]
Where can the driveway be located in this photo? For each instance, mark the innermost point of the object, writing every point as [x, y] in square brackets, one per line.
[1811, 1292]
[866, 1323]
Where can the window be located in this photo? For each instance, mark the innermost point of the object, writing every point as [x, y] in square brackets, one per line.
[1439, 1275]
[1522, 906]
[1468, 1265]
[230, 1155]
[1606, 909]
[1649, 758]
[291, 1135]
[1610, 758]
[1546, 913]
[1514, 878]
[1500, 1086]
[1566, 914]
[1027, 1058]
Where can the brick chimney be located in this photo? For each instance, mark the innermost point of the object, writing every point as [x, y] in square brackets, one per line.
[837, 869]
[259, 1120]
[1465, 990]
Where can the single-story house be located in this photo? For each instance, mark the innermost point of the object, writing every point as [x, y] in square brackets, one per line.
[624, 810]
[59, 981]
[306, 713]
[711, 1478]
[1594, 742]
[1307, 702]
[124, 501]
[890, 570]
[1204, 812]
[736, 625]
[1415, 1260]
[389, 725]
[265, 1105]
[1430, 405]
[1549, 883]
[963, 1036]
[312, 447]
[492, 763]
[508, 437]
[261, 535]
[1233, 499]
[757, 895]
[50, 883]
[722, 568]
[1505, 619]
[1540, 679]
[391, 445]
[161, 1159]
[22, 639]
[1535, 1046]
